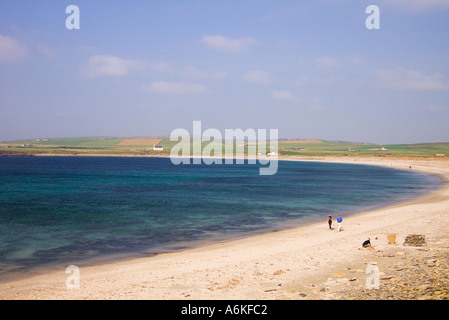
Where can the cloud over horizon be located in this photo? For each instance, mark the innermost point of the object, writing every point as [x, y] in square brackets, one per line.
[224, 44]
[258, 77]
[433, 108]
[177, 88]
[284, 95]
[402, 79]
[109, 66]
[327, 62]
[11, 50]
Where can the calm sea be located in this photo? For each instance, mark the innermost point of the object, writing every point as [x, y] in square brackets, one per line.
[66, 210]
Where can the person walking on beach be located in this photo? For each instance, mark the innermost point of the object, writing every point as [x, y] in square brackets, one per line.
[329, 221]
[339, 220]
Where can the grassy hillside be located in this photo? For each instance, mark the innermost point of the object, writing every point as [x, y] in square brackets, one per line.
[144, 146]
[336, 148]
[80, 146]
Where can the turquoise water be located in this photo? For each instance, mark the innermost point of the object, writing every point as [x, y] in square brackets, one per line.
[65, 210]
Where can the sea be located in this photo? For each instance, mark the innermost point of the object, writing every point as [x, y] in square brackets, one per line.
[60, 211]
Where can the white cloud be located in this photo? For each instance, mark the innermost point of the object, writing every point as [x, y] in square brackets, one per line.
[46, 51]
[257, 77]
[284, 96]
[162, 67]
[194, 73]
[224, 44]
[317, 104]
[11, 50]
[188, 72]
[321, 81]
[433, 108]
[327, 62]
[108, 66]
[417, 5]
[401, 79]
[176, 87]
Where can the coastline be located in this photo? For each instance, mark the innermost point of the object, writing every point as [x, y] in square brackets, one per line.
[276, 265]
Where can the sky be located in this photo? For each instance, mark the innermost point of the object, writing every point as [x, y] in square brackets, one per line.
[309, 68]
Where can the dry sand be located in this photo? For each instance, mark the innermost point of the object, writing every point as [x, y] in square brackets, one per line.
[278, 265]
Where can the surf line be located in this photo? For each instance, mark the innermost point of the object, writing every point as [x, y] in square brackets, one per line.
[190, 150]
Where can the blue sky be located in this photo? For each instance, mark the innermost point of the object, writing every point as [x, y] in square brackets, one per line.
[310, 69]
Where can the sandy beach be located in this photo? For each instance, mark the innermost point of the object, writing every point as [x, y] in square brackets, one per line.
[307, 262]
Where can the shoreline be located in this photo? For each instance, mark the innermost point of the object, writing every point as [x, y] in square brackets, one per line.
[273, 265]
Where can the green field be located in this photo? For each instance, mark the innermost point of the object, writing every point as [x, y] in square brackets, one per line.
[307, 148]
[336, 148]
[78, 146]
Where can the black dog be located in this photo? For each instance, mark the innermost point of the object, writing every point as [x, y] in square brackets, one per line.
[366, 243]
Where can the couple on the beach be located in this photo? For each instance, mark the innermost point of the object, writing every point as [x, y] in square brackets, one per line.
[339, 220]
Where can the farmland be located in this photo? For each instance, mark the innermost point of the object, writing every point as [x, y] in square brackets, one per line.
[144, 146]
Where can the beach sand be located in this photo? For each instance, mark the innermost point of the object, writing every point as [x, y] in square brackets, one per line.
[298, 263]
